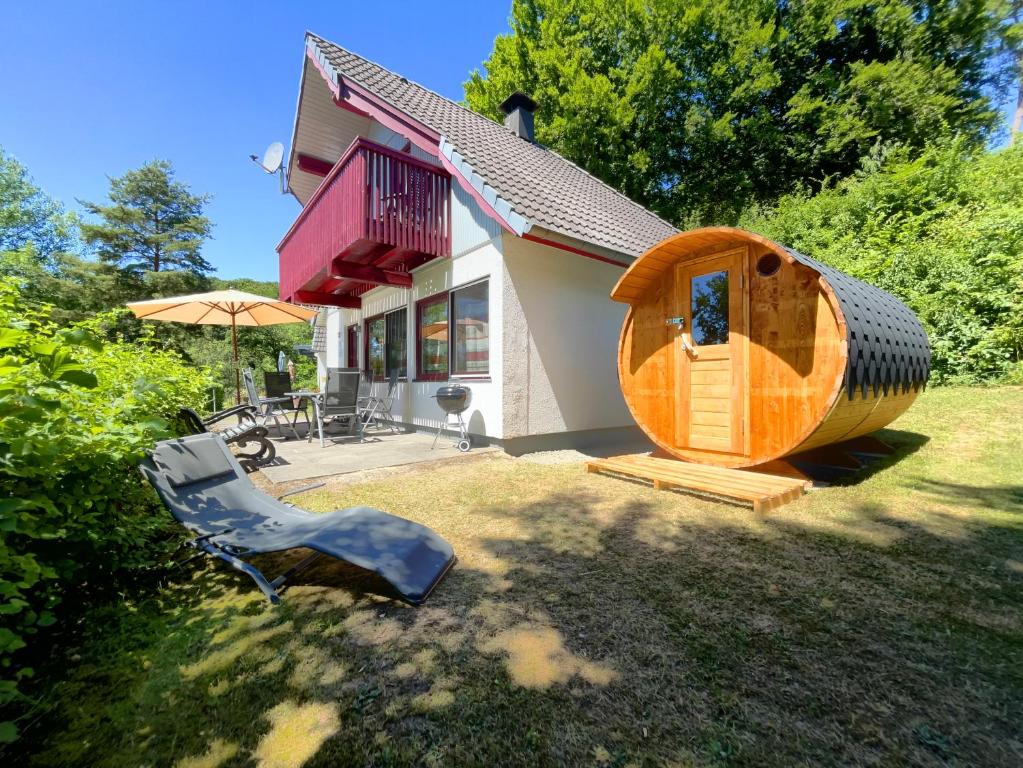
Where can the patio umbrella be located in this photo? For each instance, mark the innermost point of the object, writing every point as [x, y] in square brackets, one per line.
[228, 307]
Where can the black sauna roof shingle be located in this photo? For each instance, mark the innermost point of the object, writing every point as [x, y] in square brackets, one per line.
[888, 347]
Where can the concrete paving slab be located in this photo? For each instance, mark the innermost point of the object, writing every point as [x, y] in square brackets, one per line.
[302, 460]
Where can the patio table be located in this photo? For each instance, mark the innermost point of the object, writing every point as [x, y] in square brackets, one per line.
[316, 398]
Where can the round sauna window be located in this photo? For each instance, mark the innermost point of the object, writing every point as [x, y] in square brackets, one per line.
[768, 264]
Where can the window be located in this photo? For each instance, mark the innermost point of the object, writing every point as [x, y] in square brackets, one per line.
[710, 308]
[353, 346]
[453, 333]
[385, 344]
[432, 332]
[397, 343]
[470, 317]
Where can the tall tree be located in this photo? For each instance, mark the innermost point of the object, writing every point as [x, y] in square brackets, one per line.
[152, 223]
[1013, 47]
[697, 109]
[31, 223]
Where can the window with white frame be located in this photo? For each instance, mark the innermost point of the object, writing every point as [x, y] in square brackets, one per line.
[453, 333]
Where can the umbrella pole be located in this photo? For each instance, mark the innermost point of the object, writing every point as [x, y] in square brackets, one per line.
[237, 372]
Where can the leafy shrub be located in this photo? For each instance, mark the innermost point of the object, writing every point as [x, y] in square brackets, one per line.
[943, 232]
[76, 416]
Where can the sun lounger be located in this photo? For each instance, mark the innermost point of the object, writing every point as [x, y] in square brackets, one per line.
[206, 490]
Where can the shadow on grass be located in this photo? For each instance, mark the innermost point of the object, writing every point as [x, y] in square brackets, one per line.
[1006, 498]
[815, 464]
[587, 626]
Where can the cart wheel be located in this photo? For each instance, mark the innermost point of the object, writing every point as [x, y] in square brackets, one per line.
[464, 445]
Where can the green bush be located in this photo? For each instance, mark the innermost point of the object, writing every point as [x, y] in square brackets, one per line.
[944, 233]
[76, 415]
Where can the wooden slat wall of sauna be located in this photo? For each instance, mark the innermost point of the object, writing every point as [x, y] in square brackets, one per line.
[796, 359]
[797, 355]
[795, 364]
[857, 417]
[646, 362]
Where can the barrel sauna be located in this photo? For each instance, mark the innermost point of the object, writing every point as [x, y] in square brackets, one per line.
[736, 351]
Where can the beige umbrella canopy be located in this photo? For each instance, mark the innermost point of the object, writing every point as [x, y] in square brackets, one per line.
[228, 307]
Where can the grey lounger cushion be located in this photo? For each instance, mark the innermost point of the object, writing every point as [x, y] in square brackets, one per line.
[206, 490]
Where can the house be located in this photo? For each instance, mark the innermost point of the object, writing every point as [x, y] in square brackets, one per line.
[444, 246]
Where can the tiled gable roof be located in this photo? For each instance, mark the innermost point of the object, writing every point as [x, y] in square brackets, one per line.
[539, 184]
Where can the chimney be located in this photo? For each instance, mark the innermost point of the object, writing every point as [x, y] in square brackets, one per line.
[518, 115]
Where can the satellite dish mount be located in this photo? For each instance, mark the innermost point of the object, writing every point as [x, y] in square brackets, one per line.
[272, 162]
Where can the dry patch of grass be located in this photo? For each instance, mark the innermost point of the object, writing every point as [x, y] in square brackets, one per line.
[219, 753]
[296, 733]
[536, 657]
[592, 620]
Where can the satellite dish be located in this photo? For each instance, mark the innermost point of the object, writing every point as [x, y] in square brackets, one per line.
[272, 157]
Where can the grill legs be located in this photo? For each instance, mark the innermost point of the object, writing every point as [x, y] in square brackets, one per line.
[464, 442]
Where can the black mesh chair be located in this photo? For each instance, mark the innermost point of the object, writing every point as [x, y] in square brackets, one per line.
[277, 384]
[265, 405]
[341, 400]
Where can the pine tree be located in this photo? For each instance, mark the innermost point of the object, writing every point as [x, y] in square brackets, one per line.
[153, 223]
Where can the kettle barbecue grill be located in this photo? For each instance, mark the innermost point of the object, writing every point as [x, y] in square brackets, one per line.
[454, 400]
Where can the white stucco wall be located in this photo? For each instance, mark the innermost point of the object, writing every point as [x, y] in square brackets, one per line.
[332, 355]
[560, 342]
[477, 256]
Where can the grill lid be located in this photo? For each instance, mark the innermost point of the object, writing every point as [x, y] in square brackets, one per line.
[453, 398]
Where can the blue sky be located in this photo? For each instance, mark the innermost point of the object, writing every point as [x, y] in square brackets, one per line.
[92, 89]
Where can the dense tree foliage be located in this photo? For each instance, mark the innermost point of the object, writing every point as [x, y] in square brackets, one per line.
[152, 223]
[1012, 39]
[85, 389]
[697, 109]
[41, 251]
[33, 226]
[76, 415]
[943, 232]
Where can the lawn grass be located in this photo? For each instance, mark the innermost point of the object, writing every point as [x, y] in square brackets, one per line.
[594, 621]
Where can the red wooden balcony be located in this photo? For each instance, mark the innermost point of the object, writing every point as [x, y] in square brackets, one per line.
[377, 214]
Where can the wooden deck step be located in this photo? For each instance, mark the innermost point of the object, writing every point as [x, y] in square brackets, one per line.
[764, 491]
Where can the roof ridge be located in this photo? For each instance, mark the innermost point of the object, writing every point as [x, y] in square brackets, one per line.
[402, 77]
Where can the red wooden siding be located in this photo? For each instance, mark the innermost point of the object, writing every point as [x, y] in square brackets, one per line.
[375, 206]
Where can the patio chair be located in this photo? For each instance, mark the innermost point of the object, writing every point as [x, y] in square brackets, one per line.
[269, 407]
[366, 398]
[341, 399]
[277, 383]
[380, 408]
[246, 431]
[206, 490]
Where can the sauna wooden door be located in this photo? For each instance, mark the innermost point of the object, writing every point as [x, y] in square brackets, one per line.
[711, 351]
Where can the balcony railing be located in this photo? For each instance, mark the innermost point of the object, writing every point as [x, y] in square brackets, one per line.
[375, 201]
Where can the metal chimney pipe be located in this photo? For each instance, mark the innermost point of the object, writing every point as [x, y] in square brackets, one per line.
[518, 115]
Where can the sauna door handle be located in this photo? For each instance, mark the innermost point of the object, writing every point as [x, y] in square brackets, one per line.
[687, 346]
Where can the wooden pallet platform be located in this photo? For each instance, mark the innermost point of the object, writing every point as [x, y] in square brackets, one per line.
[764, 491]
